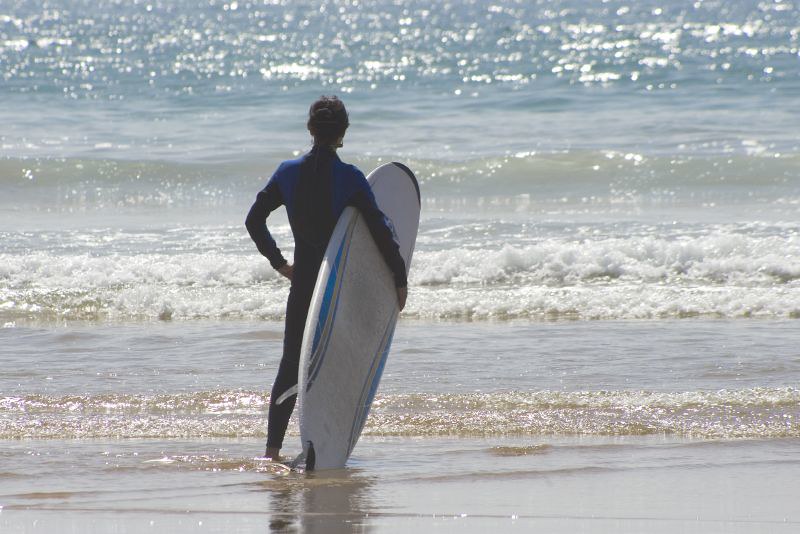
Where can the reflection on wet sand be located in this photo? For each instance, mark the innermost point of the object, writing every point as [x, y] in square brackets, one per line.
[327, 501]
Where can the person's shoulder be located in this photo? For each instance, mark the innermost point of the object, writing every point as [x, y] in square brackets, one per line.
[288, 168]
[350, 170]
[291, 163]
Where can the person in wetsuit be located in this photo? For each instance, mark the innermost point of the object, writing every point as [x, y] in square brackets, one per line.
[315, 188]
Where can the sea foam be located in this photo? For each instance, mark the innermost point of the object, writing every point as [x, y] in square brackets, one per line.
[514, 272]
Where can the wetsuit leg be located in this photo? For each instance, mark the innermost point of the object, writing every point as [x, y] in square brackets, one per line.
[296, 311]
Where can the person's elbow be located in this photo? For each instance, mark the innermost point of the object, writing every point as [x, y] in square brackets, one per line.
[251, 221]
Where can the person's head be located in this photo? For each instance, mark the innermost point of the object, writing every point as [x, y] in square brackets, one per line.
[328, 121]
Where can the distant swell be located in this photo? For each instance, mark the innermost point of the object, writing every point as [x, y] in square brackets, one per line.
[544, 181]
[747, 413]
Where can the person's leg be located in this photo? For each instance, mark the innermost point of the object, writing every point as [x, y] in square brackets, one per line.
[279, 414]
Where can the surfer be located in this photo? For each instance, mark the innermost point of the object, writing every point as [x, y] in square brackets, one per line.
[315, 188]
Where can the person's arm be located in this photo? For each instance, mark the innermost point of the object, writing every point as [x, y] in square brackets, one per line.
[267, 201]
[364, 201]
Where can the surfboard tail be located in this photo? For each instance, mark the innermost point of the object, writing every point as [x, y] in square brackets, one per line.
[305, 461]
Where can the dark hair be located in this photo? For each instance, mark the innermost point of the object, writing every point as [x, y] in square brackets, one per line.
[327, 120]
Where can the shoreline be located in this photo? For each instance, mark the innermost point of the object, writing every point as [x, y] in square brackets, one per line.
[392, 484]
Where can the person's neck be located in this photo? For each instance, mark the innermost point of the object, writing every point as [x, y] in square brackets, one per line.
[328, 148]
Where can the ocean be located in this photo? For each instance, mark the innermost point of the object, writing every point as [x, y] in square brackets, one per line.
[602, 326]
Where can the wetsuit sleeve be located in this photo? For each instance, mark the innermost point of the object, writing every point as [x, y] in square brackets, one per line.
[267, 201]
[364, 201]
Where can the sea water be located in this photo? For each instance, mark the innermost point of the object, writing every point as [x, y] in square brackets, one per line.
[601, 331]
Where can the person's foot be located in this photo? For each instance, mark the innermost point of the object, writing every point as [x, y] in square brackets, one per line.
[273, 454]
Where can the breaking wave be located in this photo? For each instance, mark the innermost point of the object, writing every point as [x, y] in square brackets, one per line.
[722, 272]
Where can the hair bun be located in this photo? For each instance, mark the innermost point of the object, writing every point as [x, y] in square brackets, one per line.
[323, 114]
[327, 120]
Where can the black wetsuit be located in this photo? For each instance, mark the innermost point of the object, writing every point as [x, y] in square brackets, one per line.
[315, 189]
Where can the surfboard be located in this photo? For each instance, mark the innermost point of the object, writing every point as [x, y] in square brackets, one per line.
[351, 322]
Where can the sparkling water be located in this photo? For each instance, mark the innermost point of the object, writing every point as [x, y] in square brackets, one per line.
[604, 293]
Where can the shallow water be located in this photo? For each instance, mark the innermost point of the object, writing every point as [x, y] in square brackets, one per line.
[602, 484]
[693, 423]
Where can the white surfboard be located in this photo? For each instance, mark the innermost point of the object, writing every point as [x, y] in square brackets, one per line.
[351, 322]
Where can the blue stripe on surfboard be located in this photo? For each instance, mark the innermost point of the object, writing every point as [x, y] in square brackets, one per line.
[333, 297]
[358, 425]
[326, 299]
[376, 380]
[373, 381]
[360, 404]
[322, 318]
